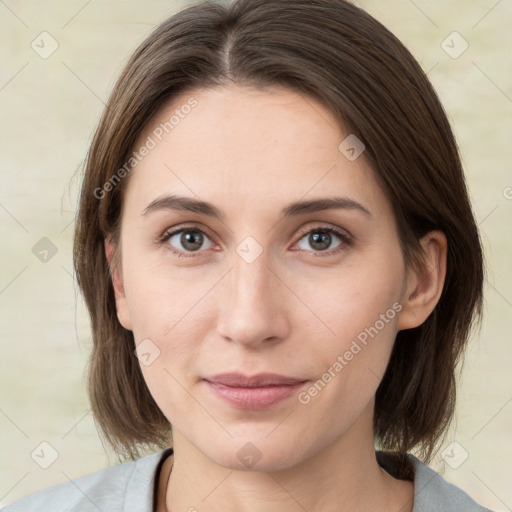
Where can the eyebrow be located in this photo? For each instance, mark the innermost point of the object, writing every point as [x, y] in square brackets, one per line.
[189, 204]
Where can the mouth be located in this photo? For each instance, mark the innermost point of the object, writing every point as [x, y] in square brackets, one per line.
[253, 392]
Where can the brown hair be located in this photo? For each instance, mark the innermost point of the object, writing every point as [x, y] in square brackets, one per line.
[339, 55]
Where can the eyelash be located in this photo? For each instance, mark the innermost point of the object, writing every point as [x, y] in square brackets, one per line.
[345, 239]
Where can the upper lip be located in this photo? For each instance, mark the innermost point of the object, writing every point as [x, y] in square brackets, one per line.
[255, 381]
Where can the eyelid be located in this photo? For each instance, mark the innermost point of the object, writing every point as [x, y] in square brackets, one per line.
[342, 234]
[346, 238]
[327, 227]
[181, 227]
[170, 232]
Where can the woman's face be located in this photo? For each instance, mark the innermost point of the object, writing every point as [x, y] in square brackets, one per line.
[250, 284]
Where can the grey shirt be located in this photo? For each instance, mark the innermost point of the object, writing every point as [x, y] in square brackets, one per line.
[130, 487]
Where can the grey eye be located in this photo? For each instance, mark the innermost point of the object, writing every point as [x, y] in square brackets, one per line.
[319, 240]
[189, 240]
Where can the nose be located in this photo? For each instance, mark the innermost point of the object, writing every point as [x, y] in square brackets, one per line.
[252, 311]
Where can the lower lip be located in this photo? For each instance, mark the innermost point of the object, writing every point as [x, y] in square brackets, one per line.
[254, 398]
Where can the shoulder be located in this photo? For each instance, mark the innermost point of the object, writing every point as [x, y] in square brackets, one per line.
[433, 493]
[108, 489]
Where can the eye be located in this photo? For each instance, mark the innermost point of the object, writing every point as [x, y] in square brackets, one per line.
[321, 238]
[186, 240]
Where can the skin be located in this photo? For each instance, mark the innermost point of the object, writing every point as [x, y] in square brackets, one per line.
[291, 311]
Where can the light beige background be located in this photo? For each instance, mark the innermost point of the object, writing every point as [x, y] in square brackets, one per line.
[49, 108]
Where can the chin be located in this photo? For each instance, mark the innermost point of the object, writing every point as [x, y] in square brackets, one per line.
[255, 455]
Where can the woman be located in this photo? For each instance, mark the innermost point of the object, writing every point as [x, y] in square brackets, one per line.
[280, 261]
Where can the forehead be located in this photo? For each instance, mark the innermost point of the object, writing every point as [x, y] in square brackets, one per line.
[247, 148]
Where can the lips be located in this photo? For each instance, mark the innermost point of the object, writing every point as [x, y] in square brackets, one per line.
[239, 380]
[253, 392]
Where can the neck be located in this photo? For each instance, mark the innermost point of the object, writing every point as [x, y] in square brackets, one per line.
[343, 477]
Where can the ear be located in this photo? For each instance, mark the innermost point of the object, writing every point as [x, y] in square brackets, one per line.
[424, 285]
[116, 275]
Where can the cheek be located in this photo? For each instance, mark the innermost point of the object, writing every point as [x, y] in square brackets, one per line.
[170, 308]
[349, 300]
[172, 336]
[357, 313]
[349, 364]
[161, 295]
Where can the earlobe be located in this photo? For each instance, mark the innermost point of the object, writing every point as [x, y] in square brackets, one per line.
[117, 283]
[424, 286]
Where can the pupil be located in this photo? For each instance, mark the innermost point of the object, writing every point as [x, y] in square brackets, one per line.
[317, 239]
[191, 240]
